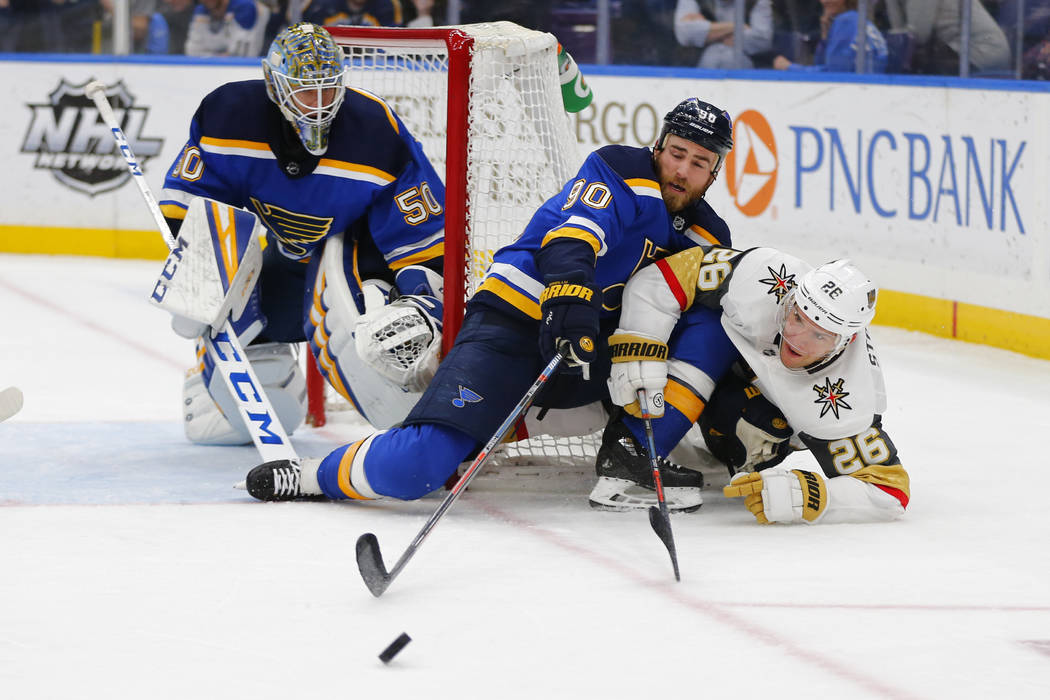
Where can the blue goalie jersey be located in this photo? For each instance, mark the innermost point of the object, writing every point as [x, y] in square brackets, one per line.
[613, 205]
[241, 151]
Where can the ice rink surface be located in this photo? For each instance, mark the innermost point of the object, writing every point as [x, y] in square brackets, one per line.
[132, 569]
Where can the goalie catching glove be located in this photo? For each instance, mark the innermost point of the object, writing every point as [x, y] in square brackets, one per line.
[638, 362]
[401, 340]
[569, 319]
[781, 495]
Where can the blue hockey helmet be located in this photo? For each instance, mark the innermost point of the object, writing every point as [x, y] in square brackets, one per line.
[703, 124]
[304, 70]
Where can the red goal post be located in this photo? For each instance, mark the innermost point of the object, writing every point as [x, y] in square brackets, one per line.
[484, 101]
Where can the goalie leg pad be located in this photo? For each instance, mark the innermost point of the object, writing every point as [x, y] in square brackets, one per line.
[210, 413]
[333, 315]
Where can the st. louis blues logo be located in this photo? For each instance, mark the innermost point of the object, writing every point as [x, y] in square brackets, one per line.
[831, 397]
[465, 396]
[780, 282]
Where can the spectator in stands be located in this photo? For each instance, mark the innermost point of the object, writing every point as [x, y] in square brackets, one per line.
[227, 28]
[837, 50]
[640, 35]
[1035, 39]
[22, 27]
[169, 27]
[709, 24]
[369, 13]
[141, 13]
[937, 28]
[10, 27]
[532, 14]
[424, 14]
[70, 27]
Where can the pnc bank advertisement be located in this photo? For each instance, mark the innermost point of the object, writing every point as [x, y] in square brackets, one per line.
[940, 192]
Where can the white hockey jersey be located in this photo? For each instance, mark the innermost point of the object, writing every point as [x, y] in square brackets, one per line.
[835, 409]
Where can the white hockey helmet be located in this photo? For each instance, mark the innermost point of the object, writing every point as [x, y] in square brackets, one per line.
[304, 70]
[836, 296]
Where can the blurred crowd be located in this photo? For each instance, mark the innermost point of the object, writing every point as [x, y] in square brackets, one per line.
[1007, 38]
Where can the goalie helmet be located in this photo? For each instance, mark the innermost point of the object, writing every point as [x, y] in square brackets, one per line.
[836, 296]
[304, 72]
[703, 124]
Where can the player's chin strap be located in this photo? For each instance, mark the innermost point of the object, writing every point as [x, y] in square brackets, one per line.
[214, 304]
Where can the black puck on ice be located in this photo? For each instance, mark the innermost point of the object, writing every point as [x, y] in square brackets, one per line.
[395, 646]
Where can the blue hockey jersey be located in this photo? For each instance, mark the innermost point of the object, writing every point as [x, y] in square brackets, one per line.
[614, 205]
[374, 172]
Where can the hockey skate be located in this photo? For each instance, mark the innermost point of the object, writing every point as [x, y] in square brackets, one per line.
[625, 477]
[284, 480]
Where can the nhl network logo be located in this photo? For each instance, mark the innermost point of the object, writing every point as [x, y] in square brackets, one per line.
[71, 140]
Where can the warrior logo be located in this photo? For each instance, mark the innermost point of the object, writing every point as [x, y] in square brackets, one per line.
[780, 282]
[831, 397]
[70, 139]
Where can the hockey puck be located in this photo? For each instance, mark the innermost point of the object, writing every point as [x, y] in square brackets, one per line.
[395, 646]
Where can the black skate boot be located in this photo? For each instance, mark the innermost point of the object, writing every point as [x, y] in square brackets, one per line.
[284, 480]
[625, 477]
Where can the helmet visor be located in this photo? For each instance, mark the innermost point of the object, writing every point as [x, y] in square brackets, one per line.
[803, 343]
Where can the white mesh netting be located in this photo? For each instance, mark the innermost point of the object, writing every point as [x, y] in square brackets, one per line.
[521, 148]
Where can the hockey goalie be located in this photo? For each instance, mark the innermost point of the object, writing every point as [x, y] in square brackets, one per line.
[320, 198]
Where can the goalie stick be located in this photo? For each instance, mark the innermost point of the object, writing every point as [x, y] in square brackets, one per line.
[10, 402]
[658, 517]
[369, 558]
[222, 345]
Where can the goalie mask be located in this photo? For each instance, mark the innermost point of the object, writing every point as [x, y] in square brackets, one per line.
[821, 315]
[304, 72]
[703, 124]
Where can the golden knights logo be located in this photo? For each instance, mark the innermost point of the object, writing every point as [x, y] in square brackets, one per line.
[71, 140]
[831, 397]
[780, 282]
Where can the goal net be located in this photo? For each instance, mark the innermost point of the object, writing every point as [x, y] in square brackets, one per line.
[485, 102]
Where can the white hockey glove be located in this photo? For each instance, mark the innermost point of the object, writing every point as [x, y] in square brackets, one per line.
[401, 340]
[781, 495]
[761, 447]
[638, 362]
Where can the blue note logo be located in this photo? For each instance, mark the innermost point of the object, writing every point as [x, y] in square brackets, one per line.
[466, 396]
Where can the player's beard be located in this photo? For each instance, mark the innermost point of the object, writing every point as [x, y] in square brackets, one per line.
[677, 194]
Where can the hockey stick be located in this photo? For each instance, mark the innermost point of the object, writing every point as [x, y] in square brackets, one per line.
[10, 402]
[222, 346]
[370, 560]
[659, 518]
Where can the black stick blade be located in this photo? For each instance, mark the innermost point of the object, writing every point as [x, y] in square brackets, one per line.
[370, 564]
[661, 523]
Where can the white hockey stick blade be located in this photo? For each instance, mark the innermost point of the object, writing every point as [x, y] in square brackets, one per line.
[10, 402]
